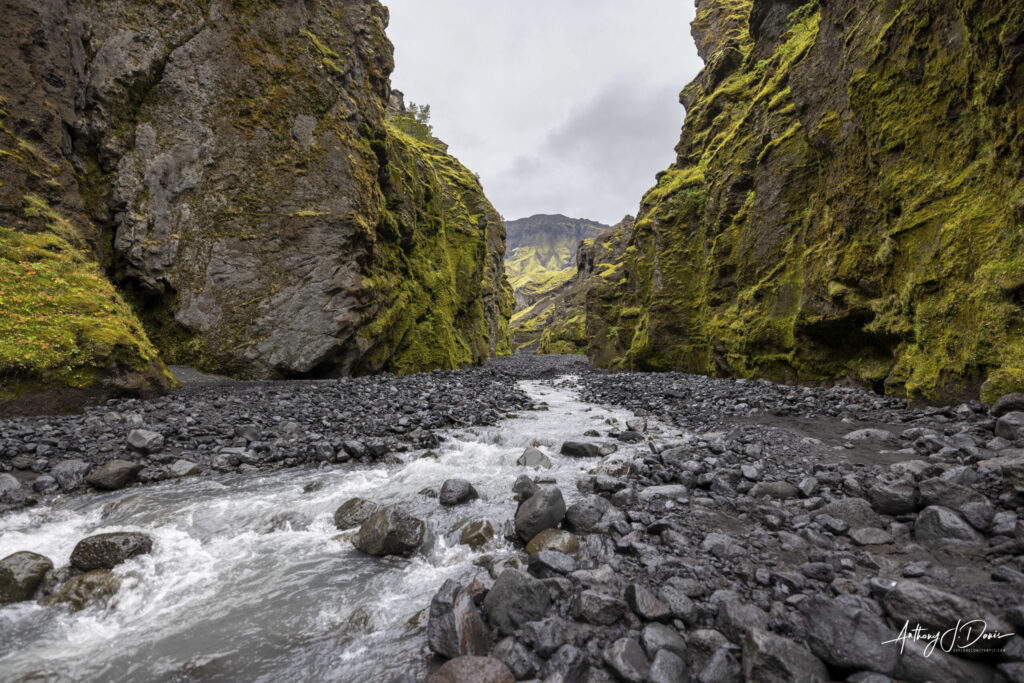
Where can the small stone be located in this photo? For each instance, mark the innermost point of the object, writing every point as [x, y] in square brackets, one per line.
[667, 667]
[477, 534]
[549, 563]
[534, 457]
[600, 608]
[774, 659]
[892, 499]
[554, 539]
[70, 473]
[184, 468]
[457, 492]
[145, 441]
[777, 490]
[869, 536]
[627, 659]
[114, 475]
[544, 636]
[646, 604]
[809, 487]
[938, 527]
[524, 487]
[658, 637]
[473, 670]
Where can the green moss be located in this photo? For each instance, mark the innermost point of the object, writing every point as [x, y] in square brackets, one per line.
[60, 318]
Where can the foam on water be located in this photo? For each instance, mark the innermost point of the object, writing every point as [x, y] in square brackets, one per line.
[248, 578]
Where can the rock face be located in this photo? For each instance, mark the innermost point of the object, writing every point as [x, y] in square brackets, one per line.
[266, 214]
[833, 212]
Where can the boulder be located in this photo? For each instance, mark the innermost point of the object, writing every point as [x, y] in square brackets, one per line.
[722, 667]
[113, 475]
[515, 599]
[145, 441]
[390, 531]
[20, 576]
[736, 617]
[587, 513]
[1009, 403]
[600, 608]
[95, 586]
[70, 473]
[547, 564]
[870, 536]
[856, 512]
[871, 435]
[658, 637]
[477, 534]
[554, 539]
[674, 594]
[533, 457]
[353, 512]
[455, 627]
[892, 499]
[1011, 426]
[668, 667]
[774, 659]
[543, 510]
[10, 489]
[627, 659]
[106, 551]
[183, 468]
[646, 604]
[544, 636]
[521, 662]
[778, 490]
[938, 527]
[457, 492]
[524, 487]
[934, 609]
[581, 449]
[569, 663]
[473, 670]
[848, 636]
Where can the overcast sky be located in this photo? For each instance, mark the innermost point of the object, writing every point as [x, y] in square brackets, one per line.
[561, 106]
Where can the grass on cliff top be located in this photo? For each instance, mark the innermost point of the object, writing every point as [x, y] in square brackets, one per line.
[59, 315]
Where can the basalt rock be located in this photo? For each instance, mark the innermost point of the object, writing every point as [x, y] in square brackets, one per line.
[106, 551]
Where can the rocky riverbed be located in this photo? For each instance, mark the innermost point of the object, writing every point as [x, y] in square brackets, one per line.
[668, 527]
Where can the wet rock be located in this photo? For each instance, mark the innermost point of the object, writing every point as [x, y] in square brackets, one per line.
[21, 574]
[938, 527]
[554, 539]
[646, 604]
[892, 499]
[569, 662]
[455, 627]
[521, 662]
[1007, 404]
[457, 492]
[848, 636]
[856, 512]
[543, 510]
[96, 586]
[627, 659]
[778, 490]
[600, 608]
[473, 670]
[524, 488]
[721, 668]
[515, 599]
[145, 441]
[667, 667]
[354, 512]
[658, 637]
[869, 536]
[477, 534]
[390, 531]
[183, 468]
[544, 636]
[587, 513]
[114, 475]
[547, 564]
[1011, 425]
[70, 473]
[106, 551]
[533, 457]
[580, 449]
[774, 659]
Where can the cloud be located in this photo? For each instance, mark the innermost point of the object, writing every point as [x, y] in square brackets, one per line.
[561, 106]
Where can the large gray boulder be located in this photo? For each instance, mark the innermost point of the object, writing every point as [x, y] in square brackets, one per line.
[934, 609]
[892, 499]
[390, 531]
[455, 627]
[70, 473]
[515, 599]
[20, 576]
[938, 527]
[587, 514]
[856, 512]
[1007, 404]
[145, 441]
[113, 475]
[769, 658]
[580, 449]
[106, 551]
[1011, 426]
[627, 659]
[353, 512]
[846, 635]
[543, 510]
[457, 492]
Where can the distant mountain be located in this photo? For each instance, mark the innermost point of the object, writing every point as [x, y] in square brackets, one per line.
[541, 257]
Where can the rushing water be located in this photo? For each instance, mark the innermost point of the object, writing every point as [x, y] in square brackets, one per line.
[249, 579]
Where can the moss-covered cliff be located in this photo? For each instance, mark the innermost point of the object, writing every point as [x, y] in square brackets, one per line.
[847, 202]
[230, 167]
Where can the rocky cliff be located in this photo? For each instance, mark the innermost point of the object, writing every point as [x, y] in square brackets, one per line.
[847, 202]
[231, 168]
